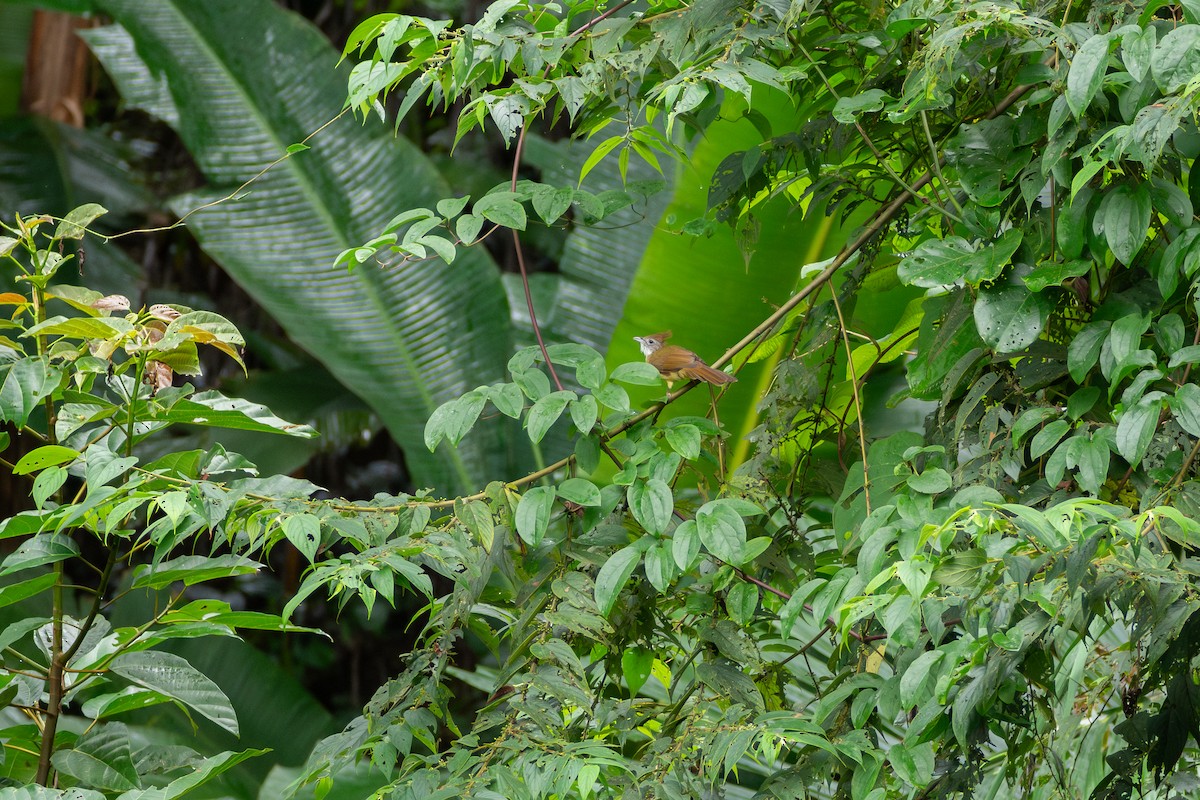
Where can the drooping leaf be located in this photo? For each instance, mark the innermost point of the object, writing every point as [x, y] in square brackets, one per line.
[103, 759]
[1087, 72]
[173, 676]
[613, 576]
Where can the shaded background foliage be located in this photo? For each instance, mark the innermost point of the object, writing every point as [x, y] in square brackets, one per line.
[947, 613]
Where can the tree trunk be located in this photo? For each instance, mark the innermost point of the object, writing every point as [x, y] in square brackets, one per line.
[56, 68]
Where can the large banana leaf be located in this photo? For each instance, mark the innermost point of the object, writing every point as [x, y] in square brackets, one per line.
[241, 80]
[704, 291]
[599, 261]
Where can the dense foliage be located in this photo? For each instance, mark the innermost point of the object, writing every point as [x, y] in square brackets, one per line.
[996, 599]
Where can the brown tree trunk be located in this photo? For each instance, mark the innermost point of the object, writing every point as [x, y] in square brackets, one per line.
[56, 68]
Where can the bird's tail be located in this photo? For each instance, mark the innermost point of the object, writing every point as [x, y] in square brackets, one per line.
[703, 372]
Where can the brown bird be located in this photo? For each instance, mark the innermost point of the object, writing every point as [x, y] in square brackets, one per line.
[676, 363]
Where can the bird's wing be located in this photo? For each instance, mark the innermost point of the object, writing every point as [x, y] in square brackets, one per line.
[673, 359]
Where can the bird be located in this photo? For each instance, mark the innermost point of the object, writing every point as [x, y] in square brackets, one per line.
[678, 363]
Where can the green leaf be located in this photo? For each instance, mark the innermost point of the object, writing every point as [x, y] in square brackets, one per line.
[1186, 407]
[572, 355]
[477, 518]
[82, 327]
[1176, 59]
[24, 385]
[722, 531]
[501, 208]
[684, 439]
[934, 480]
[552, 202]
[1011, 318]
[584, 413]
[533, 514]
[742, 602]
[1135, 430]
[1047, 437]
[44, 548]
[23, 590]
[915, 576]
[661, 569]
[915, 680]
[218, 612]
[205, 771]
[728, 681]
[533, 382]
[174, 677]
[452, 206]
[74, 224]
[1087, 72]
[685, 544]
[304, 532]
[1073, 224]
[213, 409]
[613, 576]
[913, 762]
[1055, 274]
[651, 504]
[961, 568]
[508, 399]
[131, 698]
[102, 465]
[454, 419]
[1084, 350]
[598, 154]
[637, 372]
[1127, 220]
[48, 481]
[102, 759]
[467, 227]
[636, 663]
[1031, 418]
[545, 413]
[579, 491]
[1137, 47]
[848, 109]
[937, 262]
